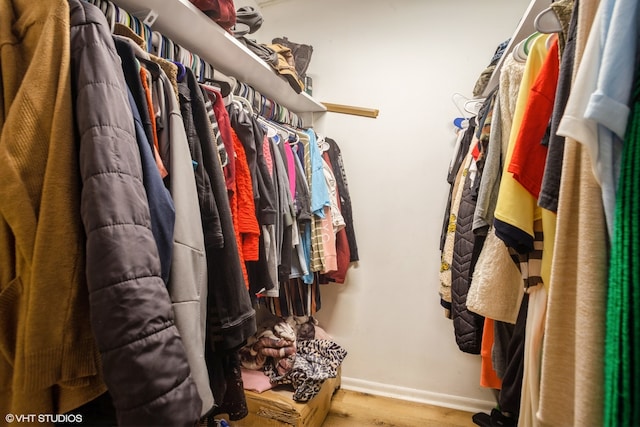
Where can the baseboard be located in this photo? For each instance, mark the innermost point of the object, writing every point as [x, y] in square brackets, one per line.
[421, 396]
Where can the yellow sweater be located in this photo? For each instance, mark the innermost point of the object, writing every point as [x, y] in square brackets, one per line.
[49, 362]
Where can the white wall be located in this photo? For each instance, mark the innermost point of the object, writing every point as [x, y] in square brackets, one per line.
[405, 58]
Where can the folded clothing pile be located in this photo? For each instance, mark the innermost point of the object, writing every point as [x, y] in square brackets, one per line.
[223, 12]
[314, 362]
[277, 342]
[293, 351]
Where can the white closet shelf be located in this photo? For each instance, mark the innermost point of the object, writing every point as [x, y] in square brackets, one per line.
[186, 25]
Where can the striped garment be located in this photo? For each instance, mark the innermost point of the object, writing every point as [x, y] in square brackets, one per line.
[530, 264]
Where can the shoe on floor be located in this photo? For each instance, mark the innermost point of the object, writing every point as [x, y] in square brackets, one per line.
[498, 419]
[482, 419]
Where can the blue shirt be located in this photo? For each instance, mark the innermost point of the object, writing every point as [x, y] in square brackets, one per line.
[608, 105]
[319, 191]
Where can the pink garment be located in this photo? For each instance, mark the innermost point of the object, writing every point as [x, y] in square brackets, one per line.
[291, 168]
[255, 381]
[224, 124]
[328, 242]
[266, 150]
[342, 243]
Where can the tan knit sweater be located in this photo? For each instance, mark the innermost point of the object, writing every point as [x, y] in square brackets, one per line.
[572, 384]
[48, 359]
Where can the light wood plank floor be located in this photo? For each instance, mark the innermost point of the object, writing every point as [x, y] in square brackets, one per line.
[351, 409]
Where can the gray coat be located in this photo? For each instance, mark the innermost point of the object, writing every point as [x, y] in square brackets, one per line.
[187, 283]
[143, 357]
[188, 276]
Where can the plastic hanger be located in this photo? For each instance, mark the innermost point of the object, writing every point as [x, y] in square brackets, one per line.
[547, 22]
[291, 134]
[293, 140]
[223, 86]
[268, 127]
[111, 15]
[461, 122]
[474, 105]
[171, 50]
[322, 144]
[202, 71]
[521, 51]
[528, 41]
[243, 103]
[156, 43]
[518, 52]
[153, 68]
[103, 7]
[181, 71]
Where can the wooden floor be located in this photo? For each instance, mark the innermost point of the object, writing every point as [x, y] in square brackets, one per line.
[351, 409]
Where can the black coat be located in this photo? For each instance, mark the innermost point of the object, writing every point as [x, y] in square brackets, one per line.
[467, 325]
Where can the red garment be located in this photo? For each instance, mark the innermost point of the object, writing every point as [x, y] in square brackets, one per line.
[222, 12]
[243, 210]
[343, 255]
[152, 114]
[488, 376]
[529, 155]
[224, 125]
[476, 152]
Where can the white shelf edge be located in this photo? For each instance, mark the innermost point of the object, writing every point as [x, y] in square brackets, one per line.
[186, 25]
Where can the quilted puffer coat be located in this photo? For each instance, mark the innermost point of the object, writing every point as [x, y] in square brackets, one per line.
[144, 361]
[467, 325]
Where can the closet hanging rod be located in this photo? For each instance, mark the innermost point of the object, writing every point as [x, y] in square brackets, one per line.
[349, 109]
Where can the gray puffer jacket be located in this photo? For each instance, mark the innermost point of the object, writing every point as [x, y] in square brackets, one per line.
[144, 361]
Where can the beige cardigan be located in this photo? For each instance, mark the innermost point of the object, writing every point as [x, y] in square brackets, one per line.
[572, 383]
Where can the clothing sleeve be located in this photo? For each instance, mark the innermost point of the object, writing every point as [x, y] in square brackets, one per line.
[529, 155]
[608, 104]
[574, 124]
[346, 208]
[492, 171]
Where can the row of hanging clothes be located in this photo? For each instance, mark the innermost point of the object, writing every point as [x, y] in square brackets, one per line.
[144, 218]
[162, 46]
[266, 107]
[539, 242]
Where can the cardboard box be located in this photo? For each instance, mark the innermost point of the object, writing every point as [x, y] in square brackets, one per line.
[276, 407]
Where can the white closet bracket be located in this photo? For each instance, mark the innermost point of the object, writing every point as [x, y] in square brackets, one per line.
[147, 16]
[150, 17]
